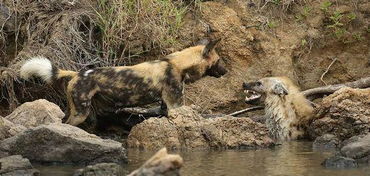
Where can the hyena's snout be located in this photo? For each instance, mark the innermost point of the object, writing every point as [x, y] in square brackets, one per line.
[217, 70]
[251, 96]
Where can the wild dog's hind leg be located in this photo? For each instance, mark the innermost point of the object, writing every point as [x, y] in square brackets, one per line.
[79, 103]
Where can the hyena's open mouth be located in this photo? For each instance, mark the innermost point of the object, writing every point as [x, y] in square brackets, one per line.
[251, 97]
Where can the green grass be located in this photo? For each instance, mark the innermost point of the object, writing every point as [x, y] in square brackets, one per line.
[304, 13]
[325, 6]
[352, 16]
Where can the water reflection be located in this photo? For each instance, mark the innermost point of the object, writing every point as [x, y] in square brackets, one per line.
[289, 159]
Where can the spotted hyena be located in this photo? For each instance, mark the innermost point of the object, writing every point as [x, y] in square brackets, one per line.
[287, 110]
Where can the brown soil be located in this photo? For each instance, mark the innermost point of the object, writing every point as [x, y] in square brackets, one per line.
[285, 46]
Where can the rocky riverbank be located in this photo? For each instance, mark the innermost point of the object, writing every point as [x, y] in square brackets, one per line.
[343, 123]
[34, 132]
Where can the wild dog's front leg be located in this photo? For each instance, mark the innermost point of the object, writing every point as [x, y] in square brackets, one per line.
[79, 101]
[78, 110]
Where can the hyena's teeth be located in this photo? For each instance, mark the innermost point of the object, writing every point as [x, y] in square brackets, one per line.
[251, 95]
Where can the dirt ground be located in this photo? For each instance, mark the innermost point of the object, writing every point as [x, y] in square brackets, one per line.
[298, 39]
[295, 42]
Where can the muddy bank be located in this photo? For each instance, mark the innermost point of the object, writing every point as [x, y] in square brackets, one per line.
[294, 38]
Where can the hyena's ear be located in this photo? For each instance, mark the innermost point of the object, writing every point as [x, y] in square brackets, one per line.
[209, 48]
[280, 89]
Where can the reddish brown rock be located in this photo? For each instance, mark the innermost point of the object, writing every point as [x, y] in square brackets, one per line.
[185, 128]
[345, 113]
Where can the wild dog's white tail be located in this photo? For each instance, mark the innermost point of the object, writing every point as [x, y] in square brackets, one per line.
[42, 67]
[39, 67]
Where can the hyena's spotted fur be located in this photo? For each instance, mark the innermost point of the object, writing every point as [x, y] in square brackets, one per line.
[130, 86]
[287, 110]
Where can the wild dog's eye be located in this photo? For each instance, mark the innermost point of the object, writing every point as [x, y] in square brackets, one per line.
[258, 83]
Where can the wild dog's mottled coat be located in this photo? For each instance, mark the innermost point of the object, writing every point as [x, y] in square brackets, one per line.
[128, 86]
[287, 110]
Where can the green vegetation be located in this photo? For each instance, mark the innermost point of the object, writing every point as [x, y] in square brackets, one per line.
[306, 11]
[339, 24]
[272, 24]
[304, 42]
[325, 6]
[352, 16]
[357, 36]
[276, 2]
[336, 20]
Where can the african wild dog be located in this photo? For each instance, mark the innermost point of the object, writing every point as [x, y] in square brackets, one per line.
[287, 110]
[130, 86]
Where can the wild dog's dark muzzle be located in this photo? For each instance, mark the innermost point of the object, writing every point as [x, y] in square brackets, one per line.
[217, 70]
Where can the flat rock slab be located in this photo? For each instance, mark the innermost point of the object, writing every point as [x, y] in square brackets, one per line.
[17, 165]
[63, 143]
[185, 128]
[32, 114]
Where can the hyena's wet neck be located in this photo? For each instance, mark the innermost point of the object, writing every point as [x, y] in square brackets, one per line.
[278, 117]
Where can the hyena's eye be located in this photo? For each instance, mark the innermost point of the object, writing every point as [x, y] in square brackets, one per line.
[258, 83]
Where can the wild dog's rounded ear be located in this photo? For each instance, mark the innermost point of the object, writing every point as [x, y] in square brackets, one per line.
[209, 47]
[280, 89]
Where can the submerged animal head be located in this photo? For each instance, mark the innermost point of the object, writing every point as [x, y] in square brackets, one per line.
[199, 61]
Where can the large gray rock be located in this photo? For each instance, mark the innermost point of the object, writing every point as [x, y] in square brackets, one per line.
[345, 113]
[101, 169]
[185, 128]
[358, 148]
[16, 165]
[326, 141]
[340, 162]
[32, 114]
[63, 143]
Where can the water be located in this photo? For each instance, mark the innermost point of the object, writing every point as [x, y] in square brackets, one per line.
[289, 159]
